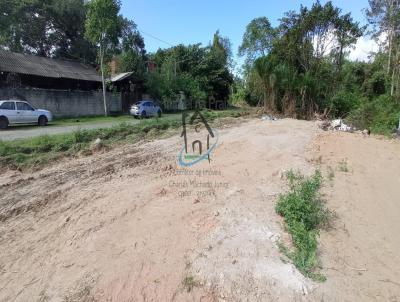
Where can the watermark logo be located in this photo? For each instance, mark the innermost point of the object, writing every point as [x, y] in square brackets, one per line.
[197, 150]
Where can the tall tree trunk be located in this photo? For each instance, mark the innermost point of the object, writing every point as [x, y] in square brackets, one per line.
[340, 59]
[391, 32]
[265, 100]
[303, 99]
[395, 74]
[272, 97]
[102, 79]
[392, 84]
[390, 51]
[289, 104]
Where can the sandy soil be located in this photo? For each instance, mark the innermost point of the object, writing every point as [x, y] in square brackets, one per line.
[361, 256]
[131, 225]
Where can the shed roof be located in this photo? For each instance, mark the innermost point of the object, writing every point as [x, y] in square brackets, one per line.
[121, 76]
[46, 67]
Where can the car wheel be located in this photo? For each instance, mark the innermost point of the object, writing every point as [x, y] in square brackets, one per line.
[3, 122]
[42, 121]
[159, 113]
[143, 114]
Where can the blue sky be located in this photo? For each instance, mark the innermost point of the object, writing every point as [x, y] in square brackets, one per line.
[189, 22]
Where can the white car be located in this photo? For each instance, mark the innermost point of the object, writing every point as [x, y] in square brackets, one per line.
[14, 112]
[145, 108]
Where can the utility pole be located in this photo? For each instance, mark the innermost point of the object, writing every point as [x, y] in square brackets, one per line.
[102, 74]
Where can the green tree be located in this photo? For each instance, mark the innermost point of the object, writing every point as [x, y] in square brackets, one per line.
[200, 72]
[301, 67]
[264, 69]
[216, 68]
[384, 18]
[288, 82]
[347, 33]
[103, 27]
[130, 52]
[69, 17]
[131, 39]
[52, 28]
[258, 39]
[306, 51]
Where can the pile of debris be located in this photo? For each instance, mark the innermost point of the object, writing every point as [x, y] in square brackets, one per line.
[340, 125]
[267, 117]
[337, 124]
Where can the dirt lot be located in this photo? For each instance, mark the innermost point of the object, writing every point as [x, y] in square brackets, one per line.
[129, 225]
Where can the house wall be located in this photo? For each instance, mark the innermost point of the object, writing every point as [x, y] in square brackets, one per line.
[64, 103]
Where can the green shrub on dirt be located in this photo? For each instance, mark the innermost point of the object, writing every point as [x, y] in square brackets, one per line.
[304, 212]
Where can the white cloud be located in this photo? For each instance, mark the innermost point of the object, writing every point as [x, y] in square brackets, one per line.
[364, 47]
[360, 51]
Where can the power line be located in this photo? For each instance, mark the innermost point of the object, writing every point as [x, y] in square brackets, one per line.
[154, 37]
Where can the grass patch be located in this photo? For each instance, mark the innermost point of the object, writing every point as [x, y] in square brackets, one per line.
[343, 166]
[90, 120]
[331, 174]
[189, 282]
[304, 212]
[38, 151]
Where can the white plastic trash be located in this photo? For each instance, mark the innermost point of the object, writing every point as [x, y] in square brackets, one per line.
[336, 123]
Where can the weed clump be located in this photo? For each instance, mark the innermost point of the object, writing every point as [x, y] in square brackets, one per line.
[343, 166]
[189, 283]
[331, 173]
[304, 212]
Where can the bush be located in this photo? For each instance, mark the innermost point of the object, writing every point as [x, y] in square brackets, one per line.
[344, 102]
[240, 97]
[305, 213]
[380, 115]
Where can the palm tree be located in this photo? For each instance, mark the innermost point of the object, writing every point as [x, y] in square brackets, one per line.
[308, 89]
[264, 69]
[288, 83]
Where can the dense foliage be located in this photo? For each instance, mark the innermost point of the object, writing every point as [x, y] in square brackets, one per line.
[47, 28]
[301, 66]
[66, 28]
[201, 73]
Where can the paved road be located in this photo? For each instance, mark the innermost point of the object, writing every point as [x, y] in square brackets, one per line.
[13, 133]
